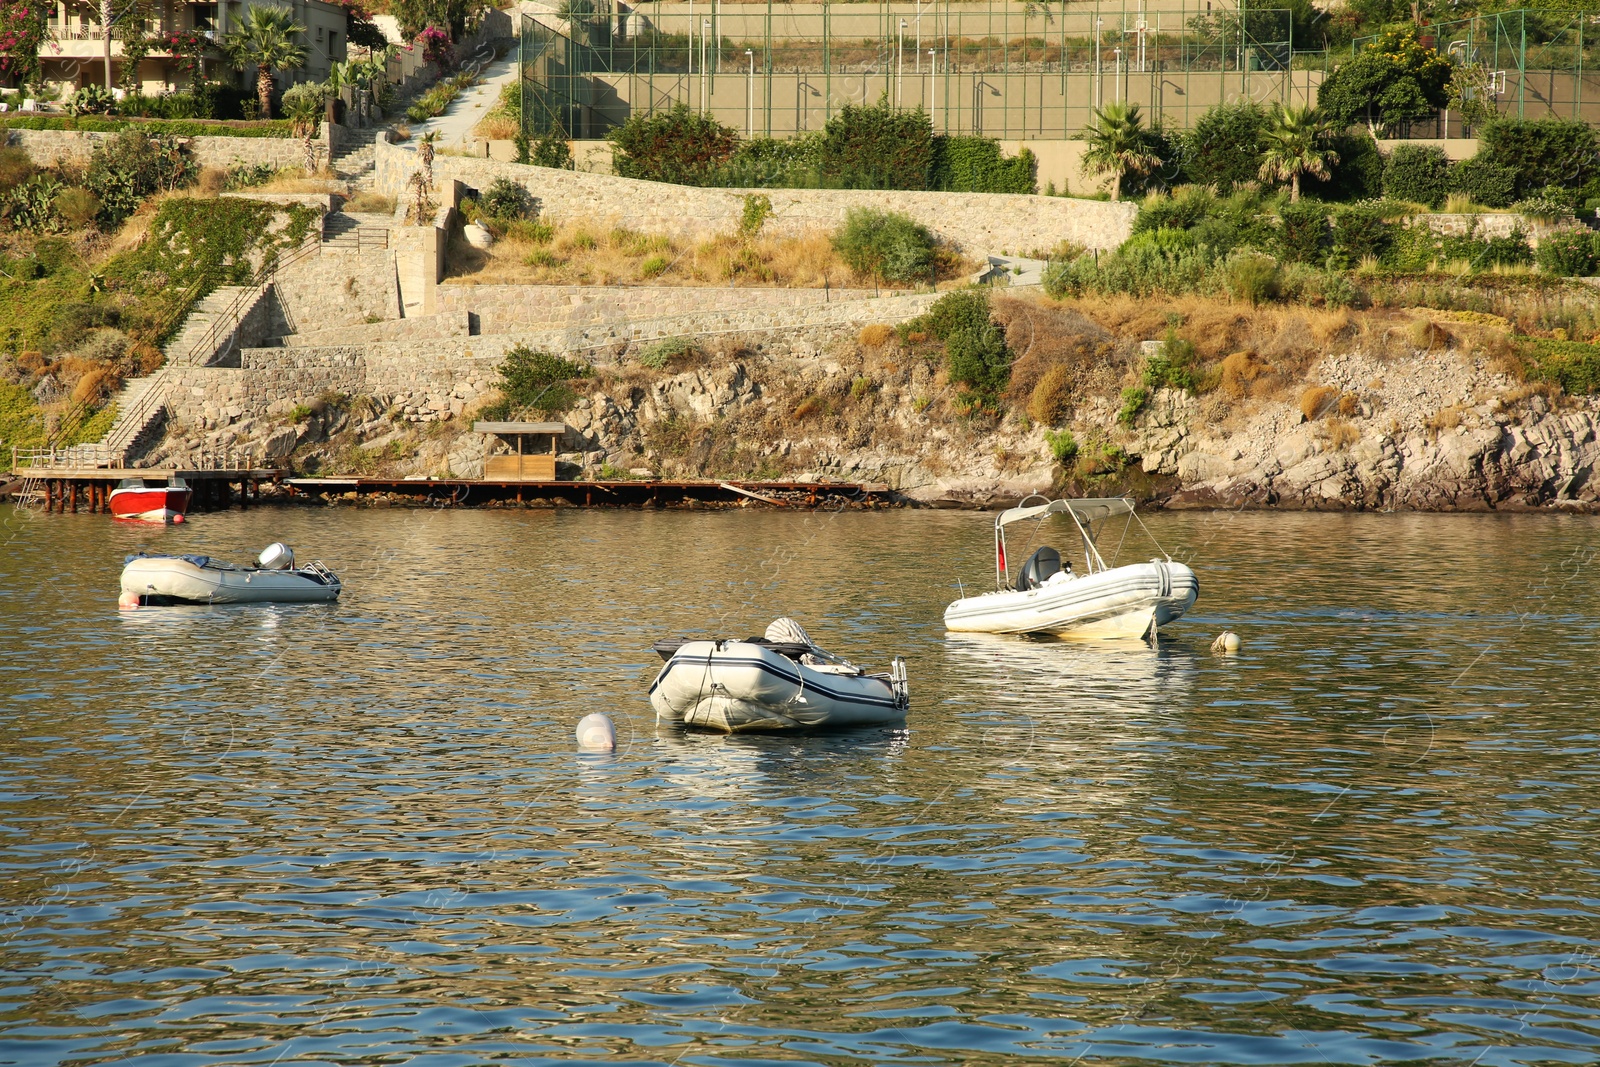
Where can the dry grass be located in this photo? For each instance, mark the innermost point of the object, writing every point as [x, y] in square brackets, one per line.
[1427, 335]
[1051, 401]
[496, 126]
[875, 336]
[1445, 419]
[1349, 405]
[1340, 434]
[291, 182]
[1318, 401]
[586, 253]
[370, 203]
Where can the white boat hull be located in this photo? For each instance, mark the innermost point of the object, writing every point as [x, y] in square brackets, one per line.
[734, 687]
[179, 580]
[1120, 602]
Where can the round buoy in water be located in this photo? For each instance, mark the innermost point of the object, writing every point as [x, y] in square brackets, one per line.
[177, 519]
[1227, 641]
[596, 734]
[128, 601]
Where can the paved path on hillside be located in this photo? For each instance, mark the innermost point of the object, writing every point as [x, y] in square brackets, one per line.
[467, 110]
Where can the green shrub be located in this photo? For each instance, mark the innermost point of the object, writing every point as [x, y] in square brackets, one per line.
[1544, 208]
[1419, 173]
[1359, 231]
[1134, 399]
[1303, 232]
[132, 166]
[506, 201]
[1224, 148]
[775, 163]
[878, 147]
[1573, 365]
[658, 355]
[1242, 220]
[1252, 277]
[1485, 180]
[77, 208]
[1172, 365]
[1359, 174]
[181, 128]
[1569, 253]
[551, 150]
[1063, 446]
[757, 209]
[246, 175]
[886, 244]
[970, 164]
[964, 309]
[1541, 152]
[655, 266]
[979, 359]
[678, 146]
[1180, 211]
[538, 381]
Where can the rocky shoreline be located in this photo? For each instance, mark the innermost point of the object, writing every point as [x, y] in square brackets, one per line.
[1300, 410]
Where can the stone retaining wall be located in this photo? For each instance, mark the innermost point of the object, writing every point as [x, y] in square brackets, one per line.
[975, 223]
[337, 288]
[433, 379]
[502, 308]
[44, 147]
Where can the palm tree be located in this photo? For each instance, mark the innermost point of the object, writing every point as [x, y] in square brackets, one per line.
[265, 40]
[1293, 143]
[1119, 145]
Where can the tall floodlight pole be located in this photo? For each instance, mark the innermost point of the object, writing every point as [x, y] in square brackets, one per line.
[690, 60]
[1116, 70]
[705, 31]
[931, 64]
[1099, 92]
[899, 61]
[750, 96]
[918, 21]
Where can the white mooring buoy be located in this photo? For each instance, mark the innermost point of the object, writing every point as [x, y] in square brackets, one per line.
[1227, 641]
[596, 734]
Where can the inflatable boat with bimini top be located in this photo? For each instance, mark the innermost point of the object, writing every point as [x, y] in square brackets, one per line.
[1048, 597]
[780, 681]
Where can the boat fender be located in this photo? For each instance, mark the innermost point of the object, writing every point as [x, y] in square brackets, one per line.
[127, 601]
[1227, 642]
[596, 734]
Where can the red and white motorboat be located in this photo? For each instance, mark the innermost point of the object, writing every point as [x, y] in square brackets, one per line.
[150, 500]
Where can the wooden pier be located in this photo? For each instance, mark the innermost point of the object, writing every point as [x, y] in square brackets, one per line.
[638, 493]
[64, 489]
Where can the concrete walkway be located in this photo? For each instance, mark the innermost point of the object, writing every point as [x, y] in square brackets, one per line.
[467, 110]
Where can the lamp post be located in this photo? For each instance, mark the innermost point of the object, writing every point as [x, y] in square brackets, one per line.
[705, 31]
[1116, 70]
[918, 21]
[1099, 91]
[931, 63]
[750, 96]
[899, 61]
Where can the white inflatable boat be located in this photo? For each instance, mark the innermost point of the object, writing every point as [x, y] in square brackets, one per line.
[777, 682]
[1050, 598]
[158, 580]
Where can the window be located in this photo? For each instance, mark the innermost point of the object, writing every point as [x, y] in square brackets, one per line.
[204, 16]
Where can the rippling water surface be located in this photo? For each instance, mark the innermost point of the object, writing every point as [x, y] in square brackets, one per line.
[361, 833]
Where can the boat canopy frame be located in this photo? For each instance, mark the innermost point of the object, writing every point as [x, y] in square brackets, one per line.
[1084, 511]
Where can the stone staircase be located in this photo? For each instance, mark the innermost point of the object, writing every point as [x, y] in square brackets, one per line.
[142, 401]
[353, 161]
[355, 232]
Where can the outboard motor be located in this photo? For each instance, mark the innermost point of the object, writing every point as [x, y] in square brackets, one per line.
[276, 557]
[1040, 566]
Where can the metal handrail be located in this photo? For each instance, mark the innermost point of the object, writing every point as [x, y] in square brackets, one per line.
[154, 397]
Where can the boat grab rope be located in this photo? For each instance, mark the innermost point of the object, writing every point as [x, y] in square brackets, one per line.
[1152, 536]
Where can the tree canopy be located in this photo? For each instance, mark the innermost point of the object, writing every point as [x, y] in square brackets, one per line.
[1393, 80]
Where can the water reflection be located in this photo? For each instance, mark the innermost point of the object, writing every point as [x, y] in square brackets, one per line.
[360, 832]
